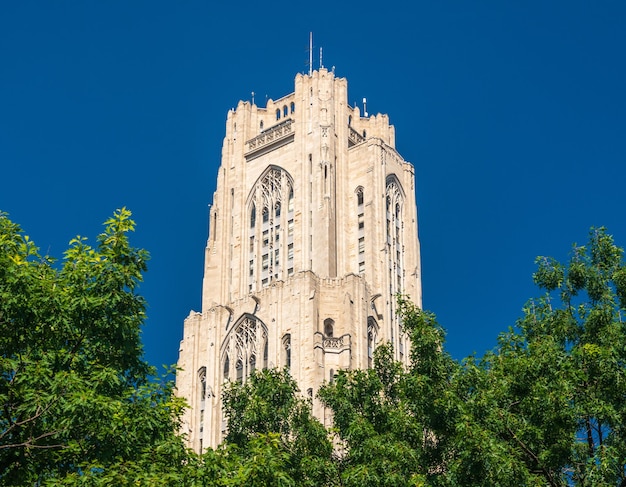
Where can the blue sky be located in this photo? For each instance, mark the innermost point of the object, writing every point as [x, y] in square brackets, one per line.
[513, 114]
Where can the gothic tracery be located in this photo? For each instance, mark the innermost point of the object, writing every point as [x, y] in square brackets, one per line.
[271, 248]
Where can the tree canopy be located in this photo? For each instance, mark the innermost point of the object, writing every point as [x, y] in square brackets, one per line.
[80, 406]
[75, 391]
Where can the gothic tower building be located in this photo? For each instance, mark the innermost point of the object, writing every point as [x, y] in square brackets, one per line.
[313, 232]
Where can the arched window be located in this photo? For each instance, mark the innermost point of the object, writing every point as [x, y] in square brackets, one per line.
[202, 381]
[293, 107]
[349, 120]
[361, 230]
[285, 111]
[246, 342]
[261, 125]
[275, 234]
[329, 325]
[202, 390]
[290, 202]
[278, 114]
[364, 134]
[394, 196]
[372, 331]
[287, 350]
[226, 367]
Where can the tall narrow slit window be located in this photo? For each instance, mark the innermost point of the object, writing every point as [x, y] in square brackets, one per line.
[394, 201]
[287, 350]
[360, 230]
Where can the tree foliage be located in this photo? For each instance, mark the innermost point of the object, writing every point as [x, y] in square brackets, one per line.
[547, 407]
[554, 391]
[74, 388]
[269, 419]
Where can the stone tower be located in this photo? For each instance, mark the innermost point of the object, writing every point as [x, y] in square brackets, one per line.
[313, 231]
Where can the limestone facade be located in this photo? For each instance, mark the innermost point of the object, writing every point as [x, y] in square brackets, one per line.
[313, 231]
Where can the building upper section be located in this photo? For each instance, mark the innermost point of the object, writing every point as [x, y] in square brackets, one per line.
[319, 99]
[307, 184]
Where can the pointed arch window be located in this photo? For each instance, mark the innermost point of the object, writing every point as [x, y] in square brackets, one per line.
[287, 350]
[202, 381]
[372, 331]
[247, 341]
[329, 327]
[273, 192]
[394, 196]
[361, 229]
[226, 367]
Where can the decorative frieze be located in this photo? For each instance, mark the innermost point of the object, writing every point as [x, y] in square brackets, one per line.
[275, 133]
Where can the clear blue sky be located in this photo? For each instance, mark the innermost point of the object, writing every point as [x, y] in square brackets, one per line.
[513, 113]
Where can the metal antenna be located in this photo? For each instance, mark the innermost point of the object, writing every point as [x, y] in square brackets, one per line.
[253, 97]
[321, 63]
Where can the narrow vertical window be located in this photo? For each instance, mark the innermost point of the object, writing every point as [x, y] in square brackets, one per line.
[278, 114]
[361, 229]
[394, 202]
[287, 350]
[202, 389]
[329, 325]
[239, 369]
[290, 201]
[227, 368]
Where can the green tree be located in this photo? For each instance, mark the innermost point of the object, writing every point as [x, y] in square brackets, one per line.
[378, 435]
[549, 405]
[77, 402]
[396, 423]
[271, 426]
